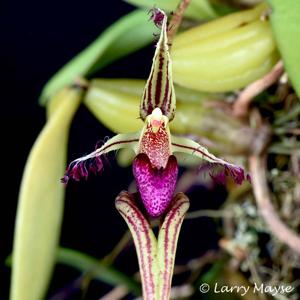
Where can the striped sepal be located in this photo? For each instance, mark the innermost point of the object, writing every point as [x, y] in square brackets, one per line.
[167, 243]
[159, 90]
[156, 257]
[145, 243]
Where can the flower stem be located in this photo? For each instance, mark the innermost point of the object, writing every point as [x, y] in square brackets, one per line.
[177, 19]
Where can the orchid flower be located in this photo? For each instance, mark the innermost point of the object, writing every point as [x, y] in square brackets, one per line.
[155, 166]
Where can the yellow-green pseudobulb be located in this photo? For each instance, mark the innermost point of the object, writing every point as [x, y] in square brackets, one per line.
[41, 202]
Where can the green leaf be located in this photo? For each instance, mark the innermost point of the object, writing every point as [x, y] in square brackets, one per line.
[285, 20]
[198, 9]
[125, 36]
[96, 268]
[41, 202]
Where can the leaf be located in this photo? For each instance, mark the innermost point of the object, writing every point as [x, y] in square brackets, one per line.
[125, 36]
[285, 20]
[198, 9]
[56, 101]
[41, 202]
[96, 268]
[293, 113]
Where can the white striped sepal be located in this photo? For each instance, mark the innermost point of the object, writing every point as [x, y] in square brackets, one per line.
[156, 256]
[159, 90]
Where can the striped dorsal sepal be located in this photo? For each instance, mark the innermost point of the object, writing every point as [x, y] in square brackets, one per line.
[159, 90]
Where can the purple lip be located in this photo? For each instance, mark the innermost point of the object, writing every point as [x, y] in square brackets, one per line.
[156, 186]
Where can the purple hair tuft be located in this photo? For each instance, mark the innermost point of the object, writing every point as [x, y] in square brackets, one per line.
[219, 172]
[81, 169]
[157, 16]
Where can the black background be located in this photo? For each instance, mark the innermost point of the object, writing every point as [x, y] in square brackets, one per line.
[37, 38]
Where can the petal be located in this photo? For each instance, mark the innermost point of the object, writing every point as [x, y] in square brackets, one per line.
[159, 90]
[81, 167]
[188, 146]
[156, 186]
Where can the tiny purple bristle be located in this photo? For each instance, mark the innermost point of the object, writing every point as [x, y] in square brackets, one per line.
[157, 16]
[81, 169]
[96, 165]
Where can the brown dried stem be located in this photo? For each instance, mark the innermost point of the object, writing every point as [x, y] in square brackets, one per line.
[241, 105]
[278, 228]
[177, 19]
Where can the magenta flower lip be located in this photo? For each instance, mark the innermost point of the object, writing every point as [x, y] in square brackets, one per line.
[156, 186]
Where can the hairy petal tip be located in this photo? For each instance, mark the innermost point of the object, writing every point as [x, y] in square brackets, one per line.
[157, 16]
[213, 163]
[92, 163]
[80, 169]
[219, 173]
[237, 173]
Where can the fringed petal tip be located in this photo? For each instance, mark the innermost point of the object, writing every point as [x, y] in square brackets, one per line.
[157, 16]
[80, 169]
[219, 173]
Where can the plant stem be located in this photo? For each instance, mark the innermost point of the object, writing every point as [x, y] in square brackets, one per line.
[241, 105]
[177, 19]
[267, 210]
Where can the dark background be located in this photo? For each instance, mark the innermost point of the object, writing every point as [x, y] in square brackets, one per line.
[37, 38]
